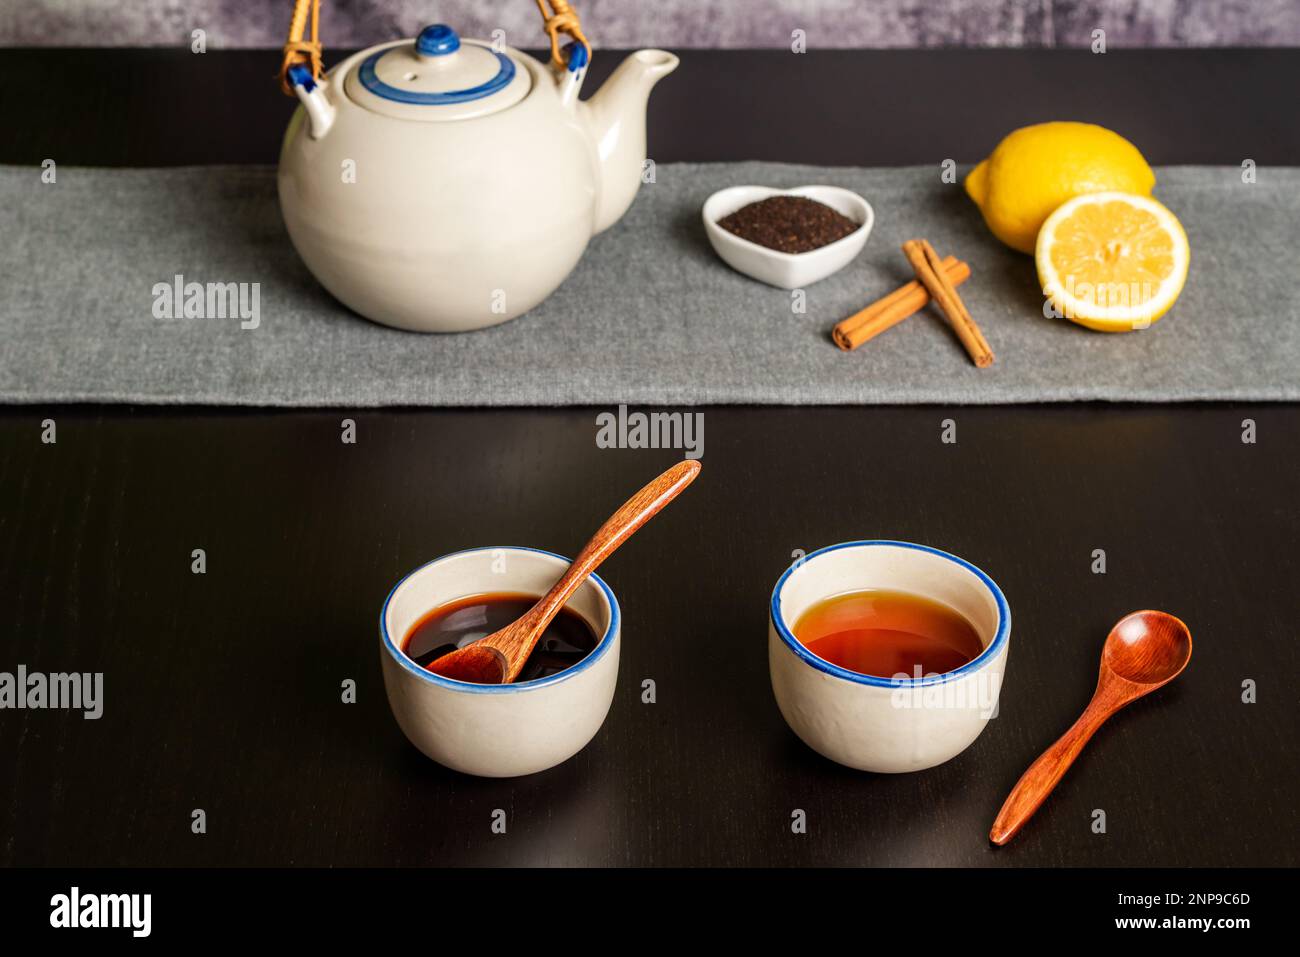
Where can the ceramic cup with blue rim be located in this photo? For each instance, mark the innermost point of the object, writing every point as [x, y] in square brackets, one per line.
[887, 724]
[508, 730]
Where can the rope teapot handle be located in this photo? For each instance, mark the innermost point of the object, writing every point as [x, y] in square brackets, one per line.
[301, 55]
[562, 19]
[297, 51]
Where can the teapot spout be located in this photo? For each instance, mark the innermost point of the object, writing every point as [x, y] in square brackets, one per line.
[616, 119]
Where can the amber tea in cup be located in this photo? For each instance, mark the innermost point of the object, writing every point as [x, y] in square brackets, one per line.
[888, 633]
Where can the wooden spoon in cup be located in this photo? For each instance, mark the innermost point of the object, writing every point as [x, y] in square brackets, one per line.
[1144, 651]
[500, 657]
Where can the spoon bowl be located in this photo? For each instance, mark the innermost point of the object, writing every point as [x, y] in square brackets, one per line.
[1144, 651]
[1147, 648]
[477, 663]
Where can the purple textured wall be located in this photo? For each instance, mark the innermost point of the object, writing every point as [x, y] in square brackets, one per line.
[671, 23]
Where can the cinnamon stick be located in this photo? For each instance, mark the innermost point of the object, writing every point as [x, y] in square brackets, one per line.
[889, 311]
[925, 263]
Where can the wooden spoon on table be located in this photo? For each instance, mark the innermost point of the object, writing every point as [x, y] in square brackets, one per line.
[1144, 651]
[498, 658]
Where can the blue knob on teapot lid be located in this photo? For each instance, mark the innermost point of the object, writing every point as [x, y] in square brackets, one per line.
[437, 40]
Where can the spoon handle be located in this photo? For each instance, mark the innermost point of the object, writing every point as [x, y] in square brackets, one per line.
[618, 528]
[1043, 775]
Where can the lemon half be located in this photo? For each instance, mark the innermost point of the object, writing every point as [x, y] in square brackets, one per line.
[1112, 261]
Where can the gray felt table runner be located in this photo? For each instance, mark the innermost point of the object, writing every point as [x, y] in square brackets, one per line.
[650, 315]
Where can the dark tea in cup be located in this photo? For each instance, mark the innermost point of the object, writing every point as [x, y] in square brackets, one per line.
[567, 639]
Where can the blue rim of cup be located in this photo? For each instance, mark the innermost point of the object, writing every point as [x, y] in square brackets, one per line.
[601, 649]
[821, 664]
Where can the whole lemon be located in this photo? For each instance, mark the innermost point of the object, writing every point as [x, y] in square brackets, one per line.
[1037, 168]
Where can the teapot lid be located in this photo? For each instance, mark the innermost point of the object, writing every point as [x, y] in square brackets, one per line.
[438, 77]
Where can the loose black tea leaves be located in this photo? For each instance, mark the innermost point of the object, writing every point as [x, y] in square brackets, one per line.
[789, 224]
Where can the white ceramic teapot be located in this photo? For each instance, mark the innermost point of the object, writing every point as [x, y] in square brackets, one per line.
[443, 184]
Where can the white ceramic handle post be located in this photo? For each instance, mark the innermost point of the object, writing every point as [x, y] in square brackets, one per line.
[320, 112]
[574, 74]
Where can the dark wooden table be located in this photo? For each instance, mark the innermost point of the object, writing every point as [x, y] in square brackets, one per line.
[223, 690]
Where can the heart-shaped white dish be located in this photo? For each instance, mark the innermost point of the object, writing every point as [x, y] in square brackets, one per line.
[786, 270]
